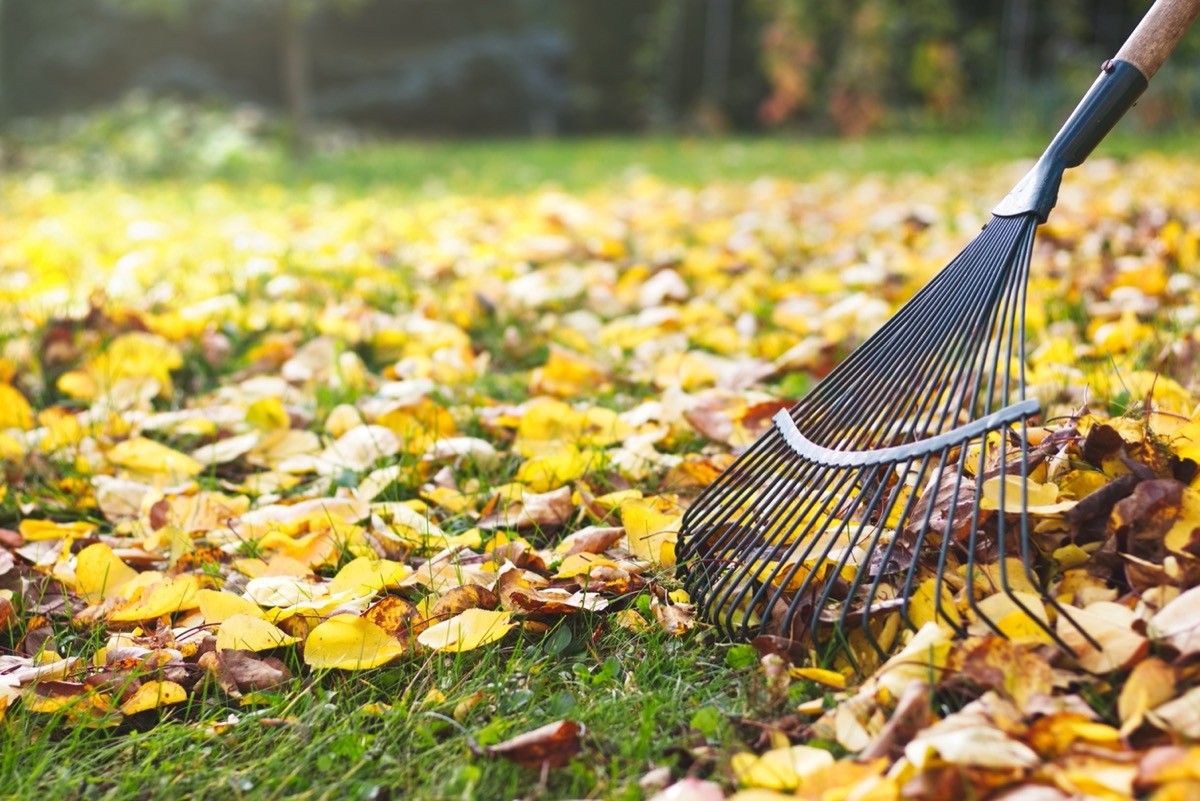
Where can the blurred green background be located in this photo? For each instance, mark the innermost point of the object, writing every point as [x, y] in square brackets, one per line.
[153, 85]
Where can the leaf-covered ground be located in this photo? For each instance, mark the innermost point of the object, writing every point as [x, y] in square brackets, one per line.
[333, 493]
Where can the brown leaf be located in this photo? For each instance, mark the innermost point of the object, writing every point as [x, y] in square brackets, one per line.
[913, 713]
[1141, 519]
[10, 538]
[553, 745]
[1101, 443]
[250, 672]
[949, 488]
[1015, 671]
[675, 619]
[593, 539]
[520, 555]
[460, 599]
[1093, 510]
[516, 581]
[1031, 792]
[394, 615]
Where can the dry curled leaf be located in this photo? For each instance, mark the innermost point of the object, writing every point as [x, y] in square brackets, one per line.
[675, 619]
[552, 745]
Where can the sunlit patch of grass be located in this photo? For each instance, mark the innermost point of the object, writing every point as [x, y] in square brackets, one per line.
[638, 696]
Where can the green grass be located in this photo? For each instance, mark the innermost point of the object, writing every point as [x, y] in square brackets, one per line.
[645, 700]
[501, 166]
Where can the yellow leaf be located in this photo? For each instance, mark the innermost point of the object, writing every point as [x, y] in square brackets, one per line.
[779, 768]
[1150, 683]
[1042, 499]
[152, 695]
[566, 374]
[35, 530]
[828, 678]
[268, 414]
[165, 598]
[250, 633]
[467, 630]
[349, 642]
[1020, 617]
[581, 564]
[11, 449]
[15, 411]
[145, 456]
[217, 606]
[924, 609]
[551, 470]
[652, 527]
[100, 574]
[136, 355]
[364, 575]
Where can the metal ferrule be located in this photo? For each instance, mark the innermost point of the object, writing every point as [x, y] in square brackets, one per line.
[1116, 90]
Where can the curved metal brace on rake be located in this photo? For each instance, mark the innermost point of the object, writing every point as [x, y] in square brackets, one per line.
[828, 457]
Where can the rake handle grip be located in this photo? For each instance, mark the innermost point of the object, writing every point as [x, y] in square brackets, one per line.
[1157, 34]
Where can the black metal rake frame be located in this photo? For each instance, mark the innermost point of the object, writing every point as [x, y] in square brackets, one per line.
[842, 496]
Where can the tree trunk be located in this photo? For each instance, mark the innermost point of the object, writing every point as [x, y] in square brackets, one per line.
[3, 88]
[296, 68]
[1015, 32]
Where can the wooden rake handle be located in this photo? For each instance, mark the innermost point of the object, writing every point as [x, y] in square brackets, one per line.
[1157, 34]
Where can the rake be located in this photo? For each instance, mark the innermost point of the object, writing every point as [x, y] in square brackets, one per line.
[865, 506]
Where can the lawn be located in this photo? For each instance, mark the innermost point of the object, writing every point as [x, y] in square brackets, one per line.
[592, 321]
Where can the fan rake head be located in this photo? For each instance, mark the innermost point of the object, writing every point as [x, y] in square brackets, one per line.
[896, 483]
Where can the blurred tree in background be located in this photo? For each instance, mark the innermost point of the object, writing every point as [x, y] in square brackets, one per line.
[291, 19]
[860, 65]
[578, 66]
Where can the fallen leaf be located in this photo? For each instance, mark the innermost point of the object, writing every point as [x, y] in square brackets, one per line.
[1022, 495]
[349, 642]
[552, 745]
[149, 458]
[178, 594]
[247, 672]
[691, 789]
[1180, 716]
[652, 527]
[974, 745]
[1111, 626]
[532, 509]
[675, 619]
[1016, 671]
[779, 768]
[1178, 623]
[466, 631]
[153, 694]
[364, 576]
[251, 633]
[1150, 683]
[460, 599]
[100, 574]
[394, 615]
[217, 606]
